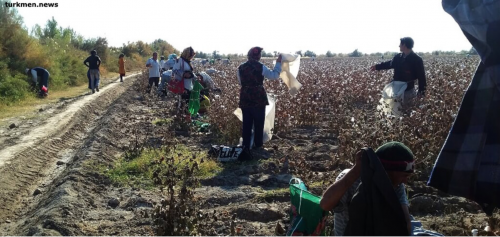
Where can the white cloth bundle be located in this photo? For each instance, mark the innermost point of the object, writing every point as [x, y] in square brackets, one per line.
[290, 65]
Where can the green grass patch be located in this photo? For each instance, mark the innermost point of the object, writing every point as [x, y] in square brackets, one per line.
[270, 195]
[163, 122]
[136, 170]
[316, 184]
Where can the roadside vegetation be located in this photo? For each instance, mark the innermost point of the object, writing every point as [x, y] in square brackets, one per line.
[145, 168]
[62, 52]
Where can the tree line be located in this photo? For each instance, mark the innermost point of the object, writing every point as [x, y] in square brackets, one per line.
[61, 51]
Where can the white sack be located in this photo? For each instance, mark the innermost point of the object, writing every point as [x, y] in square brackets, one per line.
[290, 65]
[392, 97]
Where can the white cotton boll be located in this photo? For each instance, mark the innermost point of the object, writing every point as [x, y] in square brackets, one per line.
[352, 119]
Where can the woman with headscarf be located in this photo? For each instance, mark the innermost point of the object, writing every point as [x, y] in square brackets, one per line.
[253, 96]
[121, 63]
[183, 70]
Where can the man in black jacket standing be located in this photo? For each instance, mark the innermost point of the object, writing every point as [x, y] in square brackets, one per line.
[408, 67]
[93, 62]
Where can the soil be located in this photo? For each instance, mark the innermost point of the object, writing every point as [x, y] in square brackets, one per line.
[50, 184]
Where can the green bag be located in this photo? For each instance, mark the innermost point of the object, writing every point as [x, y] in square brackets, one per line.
[194, 98]
[306, 215]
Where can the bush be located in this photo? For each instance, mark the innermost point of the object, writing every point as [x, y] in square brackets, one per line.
[12, 89]
[60, 51]
[356, 53]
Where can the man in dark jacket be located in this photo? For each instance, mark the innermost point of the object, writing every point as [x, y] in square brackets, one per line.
[349, 199]
[408, 67]
[93, 62]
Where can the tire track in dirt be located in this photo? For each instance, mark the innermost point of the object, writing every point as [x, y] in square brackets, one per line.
[32, 162]
[75, 202]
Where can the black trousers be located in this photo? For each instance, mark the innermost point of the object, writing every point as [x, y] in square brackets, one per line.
[155, 81]
[253, 117]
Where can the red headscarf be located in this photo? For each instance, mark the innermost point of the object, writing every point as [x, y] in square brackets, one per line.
[254, 53]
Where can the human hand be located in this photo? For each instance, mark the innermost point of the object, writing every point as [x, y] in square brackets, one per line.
[373, 68]
[279, 59]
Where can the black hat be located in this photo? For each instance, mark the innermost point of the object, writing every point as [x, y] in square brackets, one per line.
[395, 156]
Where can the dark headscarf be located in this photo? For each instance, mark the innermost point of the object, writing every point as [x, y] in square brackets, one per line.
[254, 53]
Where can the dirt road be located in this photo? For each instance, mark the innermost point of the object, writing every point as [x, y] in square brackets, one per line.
[40, 147]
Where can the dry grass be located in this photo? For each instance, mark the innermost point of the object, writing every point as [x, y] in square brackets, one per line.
[33, 103]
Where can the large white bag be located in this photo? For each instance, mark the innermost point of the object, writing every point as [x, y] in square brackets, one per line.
[268, 123]
[290, 65]
[392, 97]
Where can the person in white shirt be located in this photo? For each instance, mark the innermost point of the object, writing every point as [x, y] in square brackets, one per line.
[169, 64]
[154, 71]
[206, 80]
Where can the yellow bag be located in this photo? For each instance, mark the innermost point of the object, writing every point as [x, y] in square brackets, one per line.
[205, 103]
